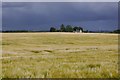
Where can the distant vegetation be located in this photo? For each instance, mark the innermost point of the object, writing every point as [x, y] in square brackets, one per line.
[116, 31]
[17, 31]
[63, 28]
[67, 28]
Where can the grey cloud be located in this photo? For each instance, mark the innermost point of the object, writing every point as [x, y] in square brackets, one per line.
[36, 14]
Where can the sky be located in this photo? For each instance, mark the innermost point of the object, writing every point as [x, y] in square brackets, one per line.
[43, 15]
[60, 0]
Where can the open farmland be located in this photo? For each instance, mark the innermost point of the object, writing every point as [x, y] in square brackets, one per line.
[59, 55]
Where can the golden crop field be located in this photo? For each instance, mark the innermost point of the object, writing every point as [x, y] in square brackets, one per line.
[59, 55]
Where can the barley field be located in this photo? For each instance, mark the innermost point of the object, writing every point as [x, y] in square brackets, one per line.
[59, 55]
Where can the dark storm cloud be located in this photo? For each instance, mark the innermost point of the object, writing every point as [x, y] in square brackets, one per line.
[40, 15]
[15, 4]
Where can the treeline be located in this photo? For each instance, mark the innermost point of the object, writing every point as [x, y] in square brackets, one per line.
[116, 31]
[67, 28]
[17, 31]
[62, 28]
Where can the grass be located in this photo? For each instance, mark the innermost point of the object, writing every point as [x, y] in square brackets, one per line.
[59, 55]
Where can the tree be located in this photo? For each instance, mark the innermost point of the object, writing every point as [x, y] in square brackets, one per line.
[77, 29]
[80, 28]
[58, 30]
[62, 28]
[52, 29]
[69, 28]
[116, 31]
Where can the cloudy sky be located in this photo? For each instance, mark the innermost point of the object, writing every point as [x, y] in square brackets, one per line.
[43, 15]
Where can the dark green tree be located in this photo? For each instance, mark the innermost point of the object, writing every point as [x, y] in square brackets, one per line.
[52, 29]
[75, 28]
[116, 31]
[62, 28]
[80, 28]
[69, 28]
